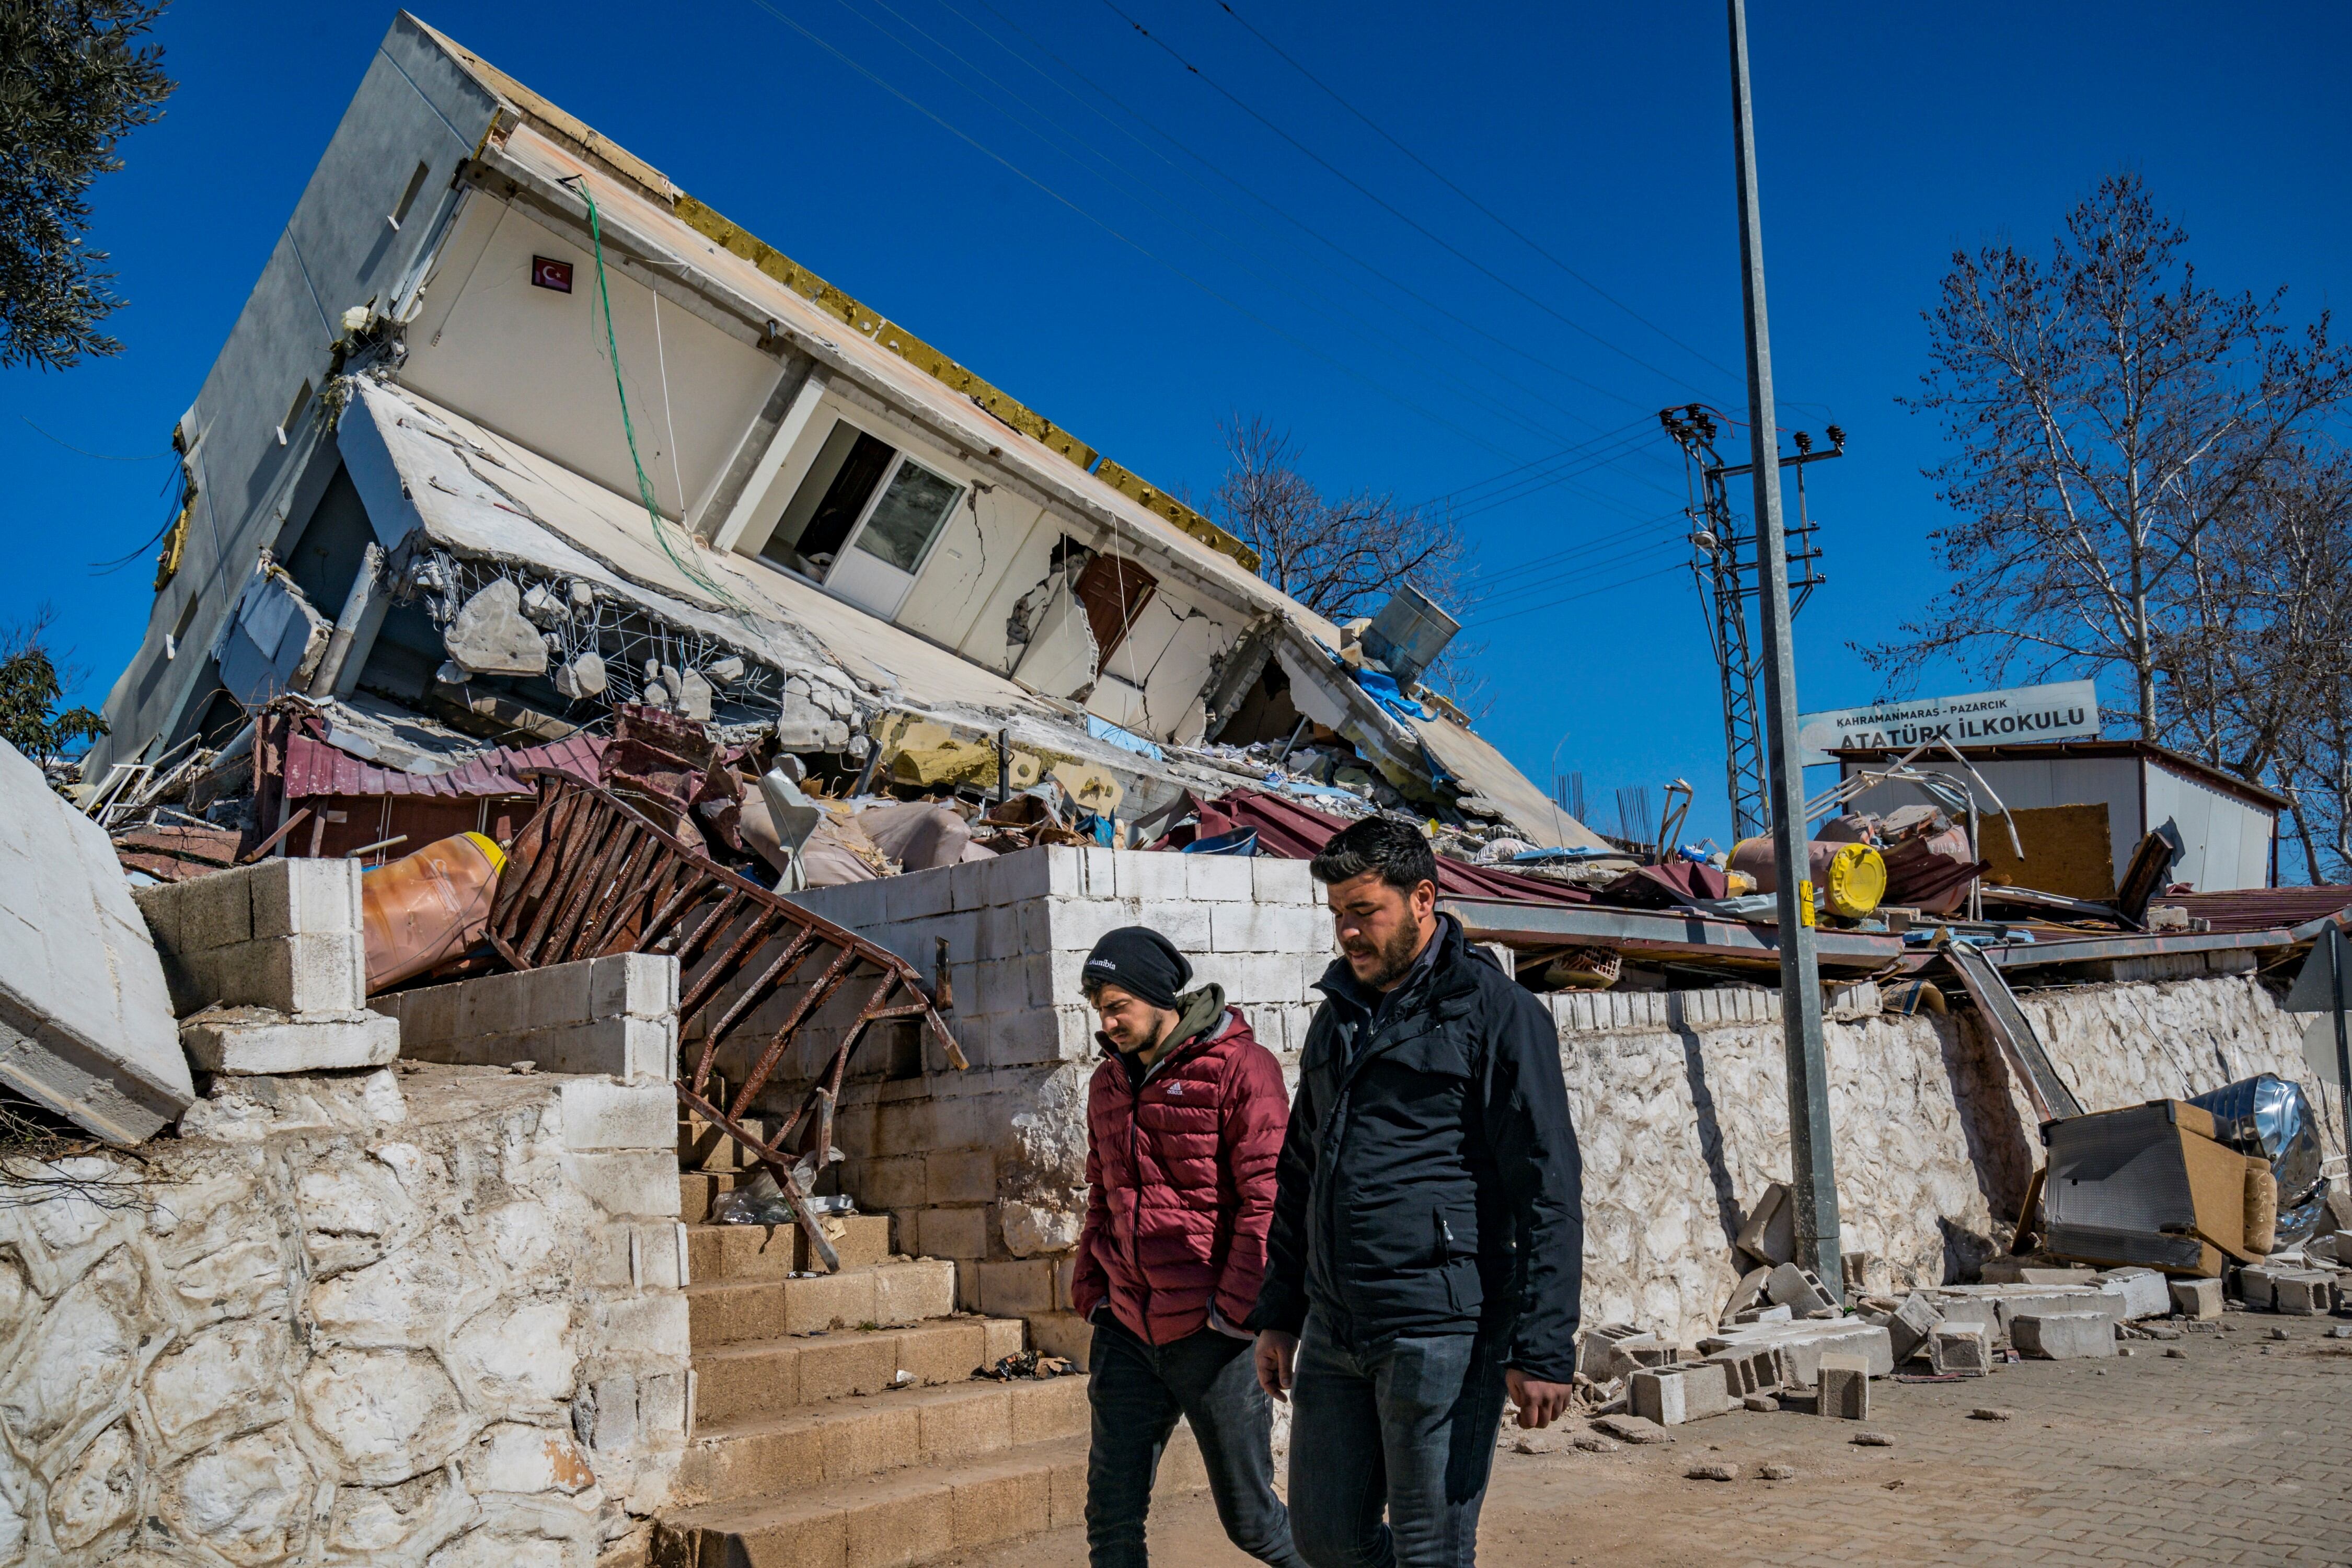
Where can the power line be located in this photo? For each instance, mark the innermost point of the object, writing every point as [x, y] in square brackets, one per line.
[1414, 224]
[1550, 366]
[1573, 599]
[1496, 218]
[1121, 237]
[1238, 248]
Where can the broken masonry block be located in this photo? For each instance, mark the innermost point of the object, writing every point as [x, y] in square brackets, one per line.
[1843, 1391]
[724, 671]
[86, 1020]
[2062, 1336]
[1773, 1314]
[2255, 1284]
[1632, 1428]
[2303, 1293]
[490, 635]
[1908, 1326]
[1748, 1370]
[2196, 1299]
[261, 1042]
[1748, 1293]
[1596, 1350]
[1675, 1394]
[580, 676]
[1770, 1236]
[1799, 1289]
[2025, 1272]
[1963, 1350]
[2141, 1291]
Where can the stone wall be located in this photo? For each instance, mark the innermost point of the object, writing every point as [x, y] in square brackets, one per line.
[1679, 1097]
[386, 1317]
[1682, 1111]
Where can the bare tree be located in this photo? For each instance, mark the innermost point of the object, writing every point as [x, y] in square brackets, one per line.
[1342, 556]
[2107, 412]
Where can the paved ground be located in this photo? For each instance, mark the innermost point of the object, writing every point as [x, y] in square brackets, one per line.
[2237, 1451]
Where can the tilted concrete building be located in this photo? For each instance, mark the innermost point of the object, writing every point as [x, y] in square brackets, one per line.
[813, 516]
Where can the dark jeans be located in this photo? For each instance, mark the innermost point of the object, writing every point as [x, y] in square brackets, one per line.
[1407, 1426]
[1138, 1391]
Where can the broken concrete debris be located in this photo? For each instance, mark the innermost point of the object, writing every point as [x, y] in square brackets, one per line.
[86, 1029]
[1961, 1350]
[2062, 1336]
[491, 635]
[1843, 1387]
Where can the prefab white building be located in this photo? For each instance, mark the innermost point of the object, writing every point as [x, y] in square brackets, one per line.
[2224, 829]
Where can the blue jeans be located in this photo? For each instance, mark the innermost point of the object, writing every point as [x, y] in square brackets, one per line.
[1137, 1390]
[1405, 1425]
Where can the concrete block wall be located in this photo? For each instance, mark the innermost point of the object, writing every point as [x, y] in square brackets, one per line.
[988, 1166]
[615, 1016]
[283, 934]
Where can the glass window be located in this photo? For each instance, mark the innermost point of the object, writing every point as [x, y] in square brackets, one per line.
[911, 510]
[829, 500]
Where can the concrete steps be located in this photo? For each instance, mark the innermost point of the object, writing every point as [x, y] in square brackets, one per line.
[909, 1516]
[885, 1295]
[738, 1252]
[754, 1377]
[837, 1422]
[783, 1454]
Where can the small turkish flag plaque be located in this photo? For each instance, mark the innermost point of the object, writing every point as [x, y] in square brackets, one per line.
[546, 272]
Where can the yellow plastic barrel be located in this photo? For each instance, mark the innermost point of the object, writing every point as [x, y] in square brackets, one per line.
[1852, 882]
[425, 908]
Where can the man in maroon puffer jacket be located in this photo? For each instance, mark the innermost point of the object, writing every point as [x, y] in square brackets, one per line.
[1184, 1124]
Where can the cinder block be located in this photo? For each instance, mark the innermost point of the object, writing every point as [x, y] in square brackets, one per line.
[1799, 1289]
[1673, 1395]
[1185, 925]
[1747, 1371]
[2062, 1336]
[1152, 877]
[1075, 925]
[2196, 1299]
[604, 1116]
[1961, 1348]
[1911, 1323]
[296, 898]
[1217, 879]
[1024, 874]
[915, 895]
[632, 984]
[2305, 1293]
[261, 1042]
[2256, 1284]
[1844, 1388]
[637, 1181]
[1274, 880]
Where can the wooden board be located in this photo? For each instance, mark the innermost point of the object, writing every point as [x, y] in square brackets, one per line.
[2067, 851]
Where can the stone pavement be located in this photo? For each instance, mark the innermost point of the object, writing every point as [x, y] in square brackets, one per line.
[2238, 1451]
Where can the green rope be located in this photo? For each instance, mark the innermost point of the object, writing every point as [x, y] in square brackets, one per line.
[694, 574]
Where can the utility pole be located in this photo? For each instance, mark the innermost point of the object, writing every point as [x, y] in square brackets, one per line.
[1814, 1176]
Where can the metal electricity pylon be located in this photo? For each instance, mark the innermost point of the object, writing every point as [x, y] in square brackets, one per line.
[1723, 565]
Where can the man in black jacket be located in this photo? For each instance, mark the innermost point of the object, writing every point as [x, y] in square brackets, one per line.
[1428, 1236]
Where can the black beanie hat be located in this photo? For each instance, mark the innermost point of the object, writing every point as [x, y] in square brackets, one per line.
[1139, 962]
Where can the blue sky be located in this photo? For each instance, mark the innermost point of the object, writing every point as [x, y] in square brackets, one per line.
[1117, 242]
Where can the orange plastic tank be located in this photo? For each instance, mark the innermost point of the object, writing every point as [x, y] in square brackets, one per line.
[424, 910]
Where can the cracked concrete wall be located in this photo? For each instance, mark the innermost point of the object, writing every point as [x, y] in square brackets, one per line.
[430, 1316]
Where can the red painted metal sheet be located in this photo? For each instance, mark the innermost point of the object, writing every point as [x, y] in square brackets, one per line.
[315, 768]
[2262, 909]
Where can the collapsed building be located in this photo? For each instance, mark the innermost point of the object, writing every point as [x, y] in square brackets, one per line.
[512, 429]
[569, 1240]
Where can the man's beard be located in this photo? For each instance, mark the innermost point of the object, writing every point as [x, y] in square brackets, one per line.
[1396, 958]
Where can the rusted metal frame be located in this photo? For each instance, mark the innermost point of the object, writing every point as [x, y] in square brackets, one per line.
[618, 937]
[776, 1162]
[830, 1080]
[712, 925]
[510, 906]
[818, 995]
[574, 860]
[591, 890]
[763, 925]
[692, 884]
[619, 892]
[549, 824]
[788, 960]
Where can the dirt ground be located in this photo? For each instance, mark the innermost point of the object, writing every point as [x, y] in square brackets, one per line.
[2236, 1450]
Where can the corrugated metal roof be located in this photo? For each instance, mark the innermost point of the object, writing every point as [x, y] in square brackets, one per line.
[316, 768]
[2262, 909]
[2045, 750]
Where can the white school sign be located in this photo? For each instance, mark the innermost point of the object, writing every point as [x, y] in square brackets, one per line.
[2064, 710]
